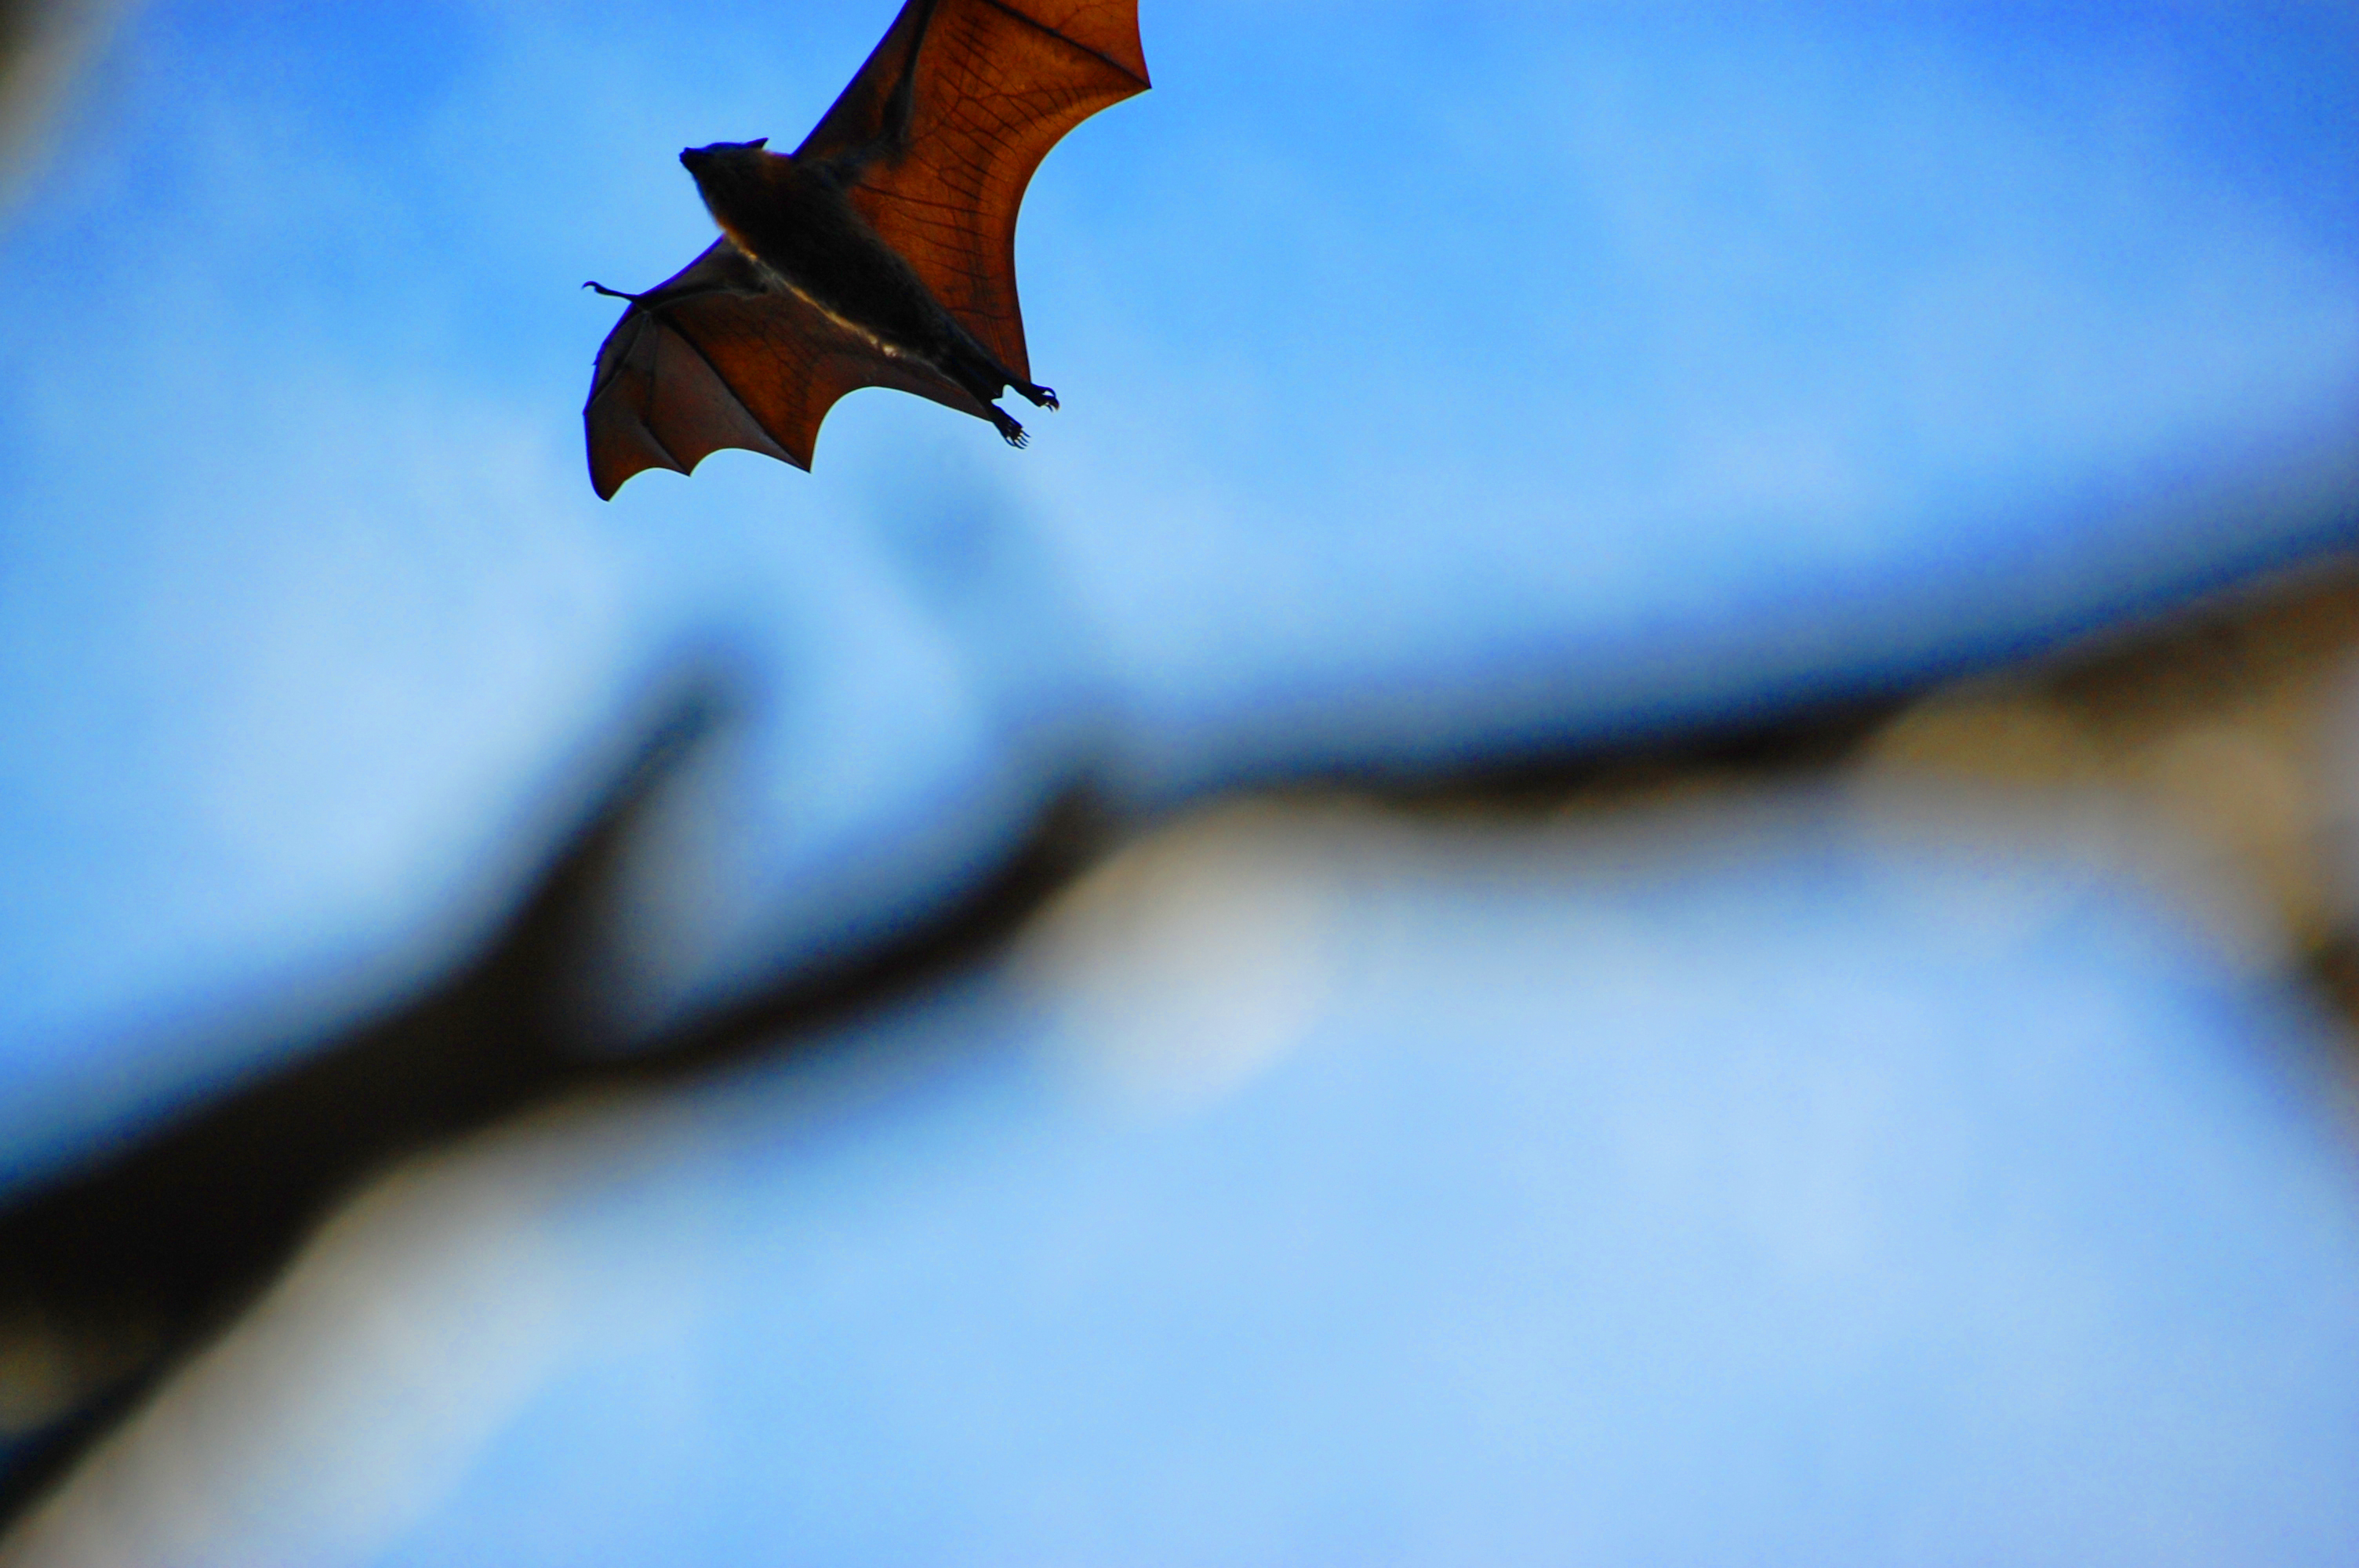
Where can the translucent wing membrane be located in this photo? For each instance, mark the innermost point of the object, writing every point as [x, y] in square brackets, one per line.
[992, 86]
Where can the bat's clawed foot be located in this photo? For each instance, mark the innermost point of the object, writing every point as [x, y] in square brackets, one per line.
[1009, 430]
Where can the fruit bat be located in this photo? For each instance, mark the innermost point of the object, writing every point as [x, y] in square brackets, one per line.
[881, 252]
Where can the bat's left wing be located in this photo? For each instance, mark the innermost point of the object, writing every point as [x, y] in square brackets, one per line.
[943, 127]
[712, 358]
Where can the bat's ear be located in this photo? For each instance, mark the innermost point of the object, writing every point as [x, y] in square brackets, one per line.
[758, 143]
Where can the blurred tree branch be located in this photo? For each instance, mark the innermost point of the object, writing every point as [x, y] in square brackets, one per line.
[44, 45]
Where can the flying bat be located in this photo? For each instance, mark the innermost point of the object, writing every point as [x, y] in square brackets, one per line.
[880, 253]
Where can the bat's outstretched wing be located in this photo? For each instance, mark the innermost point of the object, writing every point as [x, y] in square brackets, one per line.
[944, 126]
[711, 359]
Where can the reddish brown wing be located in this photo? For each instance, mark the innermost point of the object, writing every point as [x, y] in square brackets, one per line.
[997, 84]
[711, 359]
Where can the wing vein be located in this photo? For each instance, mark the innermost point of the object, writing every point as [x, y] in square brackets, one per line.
[1002, 5]
[679, 330]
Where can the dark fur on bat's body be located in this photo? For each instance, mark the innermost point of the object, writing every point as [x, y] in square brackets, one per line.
[793, 218]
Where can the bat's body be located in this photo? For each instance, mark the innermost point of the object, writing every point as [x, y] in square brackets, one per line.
[881, 252]
[794, 218]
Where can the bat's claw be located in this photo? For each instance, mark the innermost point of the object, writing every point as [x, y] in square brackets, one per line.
[1039, 396]
[1009, 430]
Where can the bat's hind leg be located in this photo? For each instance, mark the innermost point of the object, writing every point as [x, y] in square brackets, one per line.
[978, 370]
[974, 368]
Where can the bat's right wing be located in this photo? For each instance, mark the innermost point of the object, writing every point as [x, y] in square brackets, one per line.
[949, 118]
[714, 358]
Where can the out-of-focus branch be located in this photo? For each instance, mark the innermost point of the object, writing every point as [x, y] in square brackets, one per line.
[44, 44]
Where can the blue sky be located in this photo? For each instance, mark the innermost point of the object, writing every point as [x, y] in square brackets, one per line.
[1438, 385]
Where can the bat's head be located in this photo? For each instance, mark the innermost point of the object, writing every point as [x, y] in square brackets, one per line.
[724, 168]
[724, 155]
